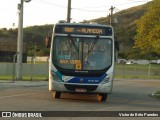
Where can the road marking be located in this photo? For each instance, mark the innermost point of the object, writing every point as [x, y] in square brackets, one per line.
[16, 95]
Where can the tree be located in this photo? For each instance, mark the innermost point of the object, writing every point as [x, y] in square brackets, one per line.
[148, 29]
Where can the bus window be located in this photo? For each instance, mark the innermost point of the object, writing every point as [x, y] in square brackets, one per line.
[87, 53]
[99, 57]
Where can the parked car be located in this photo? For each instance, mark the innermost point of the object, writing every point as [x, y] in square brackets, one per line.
[153, 63]
[122, 61]
[130, 62]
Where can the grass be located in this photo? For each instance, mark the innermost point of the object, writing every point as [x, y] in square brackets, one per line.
[136, 77]
[6, 77]
[35, 77]
[156, 94]
[25, 77]
[37, 62]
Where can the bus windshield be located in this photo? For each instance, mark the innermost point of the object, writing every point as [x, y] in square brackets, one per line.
[82, 53]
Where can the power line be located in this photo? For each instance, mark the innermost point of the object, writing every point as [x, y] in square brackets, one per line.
[51, 3]
[131, 2]
[88, 10]
[98, 7]
[79, 9]
[83, 9]
[89, 7]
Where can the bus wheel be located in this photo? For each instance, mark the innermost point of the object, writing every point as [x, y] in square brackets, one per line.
[102, 97]
[57, 94]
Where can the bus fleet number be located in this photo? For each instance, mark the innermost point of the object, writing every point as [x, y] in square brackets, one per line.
[69, 29]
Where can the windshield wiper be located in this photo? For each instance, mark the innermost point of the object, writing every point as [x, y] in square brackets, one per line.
[73, 43]
[92, 46]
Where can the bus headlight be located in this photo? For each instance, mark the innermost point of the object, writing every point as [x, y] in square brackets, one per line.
[66, 78]
[108, 78]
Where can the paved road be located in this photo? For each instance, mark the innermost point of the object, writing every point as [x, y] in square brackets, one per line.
[128, 95]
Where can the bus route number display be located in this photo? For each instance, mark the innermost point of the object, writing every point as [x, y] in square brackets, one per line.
[84, 30]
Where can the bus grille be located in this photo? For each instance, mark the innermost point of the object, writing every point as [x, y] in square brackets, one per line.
[89, 88]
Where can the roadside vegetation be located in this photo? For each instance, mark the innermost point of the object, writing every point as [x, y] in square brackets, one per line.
[156, 94]
[25, 77]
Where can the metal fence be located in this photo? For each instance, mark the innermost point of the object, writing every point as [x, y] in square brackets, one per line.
[30, 71]
[39, 71]
[150, 71]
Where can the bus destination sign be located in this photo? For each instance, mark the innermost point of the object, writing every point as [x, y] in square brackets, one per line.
[86, 30]
[97, 31]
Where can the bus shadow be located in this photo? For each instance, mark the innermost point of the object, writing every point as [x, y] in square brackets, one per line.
[80, 97]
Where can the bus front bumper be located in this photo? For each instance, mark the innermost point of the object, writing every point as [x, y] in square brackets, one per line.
[82, 88]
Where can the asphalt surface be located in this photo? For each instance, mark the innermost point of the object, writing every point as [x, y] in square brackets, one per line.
[128, 95]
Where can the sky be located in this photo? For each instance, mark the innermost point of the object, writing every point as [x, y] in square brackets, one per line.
[41, 12]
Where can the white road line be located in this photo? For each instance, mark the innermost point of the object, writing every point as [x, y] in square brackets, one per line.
[15, 95]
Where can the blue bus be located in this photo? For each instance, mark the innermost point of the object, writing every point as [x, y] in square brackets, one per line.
[82, 59]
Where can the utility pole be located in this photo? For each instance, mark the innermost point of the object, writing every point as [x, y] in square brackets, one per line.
[111, 15]
[69, 11]
[111, 24]
[20, 41]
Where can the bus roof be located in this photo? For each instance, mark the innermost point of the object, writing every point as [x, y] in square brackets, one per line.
[83, 24]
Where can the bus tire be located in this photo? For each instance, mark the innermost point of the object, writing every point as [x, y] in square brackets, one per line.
[57, 94]
[102, 96]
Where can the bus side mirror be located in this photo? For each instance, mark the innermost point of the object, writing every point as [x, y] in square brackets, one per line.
[48, 42]
[116, 45]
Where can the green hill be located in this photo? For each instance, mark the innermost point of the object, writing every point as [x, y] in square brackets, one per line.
[34, 36]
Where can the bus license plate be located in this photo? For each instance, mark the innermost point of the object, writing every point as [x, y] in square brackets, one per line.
[80, 90]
